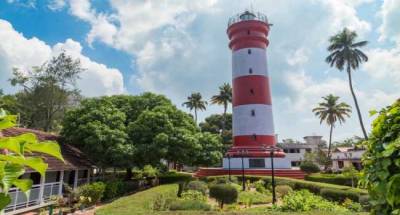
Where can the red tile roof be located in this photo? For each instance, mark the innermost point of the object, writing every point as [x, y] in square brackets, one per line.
[74, 158]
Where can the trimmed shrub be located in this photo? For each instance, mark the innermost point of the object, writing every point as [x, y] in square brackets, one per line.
[338, 179]
[197, 186]
[224, 194]
[94, 191]
[193, 195]
[309, 167]
[220, 180]
[352, 206]
[174, 177]
[283, 190]
[339, 195]
[193, 205]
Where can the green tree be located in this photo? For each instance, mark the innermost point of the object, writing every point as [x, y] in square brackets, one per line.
[195, 102]
[214, 124]
[48, 91]
[212, 149]
[223, 98]
[12, 165]
[97, 128]
[345, 53]
[381, 162]
[331, 111]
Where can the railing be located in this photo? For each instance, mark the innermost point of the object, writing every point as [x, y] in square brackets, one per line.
[247, 16]
[20, 200]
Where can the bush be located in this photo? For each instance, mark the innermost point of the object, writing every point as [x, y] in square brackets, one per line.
[283, 190]
[189, 205]
[197, 186]
[94, 191]
[114, 189]
[260, 187]
[339, 195]
[251, 197]
[306, 201]
[150, 172]
[309, 167]
[220, 180]
[224, 194]
[193, 195]
[174, 177]
[137, 174]
[338, 179]
[352, 206]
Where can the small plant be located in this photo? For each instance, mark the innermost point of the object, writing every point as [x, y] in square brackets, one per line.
[193, 195]
[283, 190]
[249, 198]
[309, 167]
[161, 202]
[350, 172]
[224, 194]
[260, 187]
[197, 186]
[352, 206]
[150, 172]
[93, 191]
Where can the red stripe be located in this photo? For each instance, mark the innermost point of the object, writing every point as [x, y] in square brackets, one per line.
[249, 141]
[248, 34]
[251, 89]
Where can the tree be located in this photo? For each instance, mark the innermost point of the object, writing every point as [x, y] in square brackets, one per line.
[13, 165]
[355, 141]
[215, 123]
[212, 149]
[351, 172]
[48, 91]
[331, 111]
[223, 98]
[345, 52]
[224, 194]
[195, 102]
[97, 128]
[381, 161]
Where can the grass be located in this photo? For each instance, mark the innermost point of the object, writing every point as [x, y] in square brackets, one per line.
[141, 203]
[245, 197]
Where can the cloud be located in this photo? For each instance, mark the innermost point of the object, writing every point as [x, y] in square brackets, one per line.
[20, 52]
[56, 5]
[390, 13]
[384, 64]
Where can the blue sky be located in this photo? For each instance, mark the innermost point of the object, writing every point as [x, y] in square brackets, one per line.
[178, 47]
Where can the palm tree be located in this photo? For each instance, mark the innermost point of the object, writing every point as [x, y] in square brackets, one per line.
[345, 53]
[194, 101]
[223, 98]
[331, 111]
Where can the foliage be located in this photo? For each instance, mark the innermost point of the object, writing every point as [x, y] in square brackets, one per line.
[224, 194]
[195, 102]
[199, 186]
[194, 195]
[260, 187]
[215, 124]
[350, 172]
[309, 167]
[48, 91]
[13, 165]
[94, 191]
[381, 162]
[283, 190]
[97, 128]
[192, 205]
[249, 198]
[352, 206]
[173, 177]
[346, 52]
[223, 98]
[304, 200]
[150, 172]
[212, 150]
[114, 189]
[339, 195]
[339, 179]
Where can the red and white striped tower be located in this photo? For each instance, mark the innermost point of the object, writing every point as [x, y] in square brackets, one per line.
[253, 127]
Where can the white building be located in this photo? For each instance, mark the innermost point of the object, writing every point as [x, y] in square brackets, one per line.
[345, 157]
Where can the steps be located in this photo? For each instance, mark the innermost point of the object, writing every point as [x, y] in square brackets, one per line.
[288, 173]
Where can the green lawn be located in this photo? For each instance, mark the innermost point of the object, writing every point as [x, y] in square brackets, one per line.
[140, 203]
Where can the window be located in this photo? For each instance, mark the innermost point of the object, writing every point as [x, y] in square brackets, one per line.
[308, 150]
[291, 150]
[340, 164]
[253, 112]
[248, 32]
[254, 137]
[256, 163]
[285, 150]
[295, 163]
[297, 150]
[251, 71]
[249, 51]
[252, 91]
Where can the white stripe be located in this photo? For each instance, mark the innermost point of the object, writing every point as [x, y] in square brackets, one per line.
[242, 62]
[246, 124]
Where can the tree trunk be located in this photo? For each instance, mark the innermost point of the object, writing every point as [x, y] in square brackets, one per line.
[129, 174]
[224, 120]
[329, 147]
[356, 103]
[195, 116]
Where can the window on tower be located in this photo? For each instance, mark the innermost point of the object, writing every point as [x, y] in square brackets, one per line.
[248, 32]
[249, 51]
[254, 137]
[253, 112]
[251, 71]
[252, 91]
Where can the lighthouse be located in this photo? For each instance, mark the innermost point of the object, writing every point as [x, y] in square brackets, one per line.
[253, 125]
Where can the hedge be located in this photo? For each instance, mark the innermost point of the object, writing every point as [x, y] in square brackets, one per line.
[314, 187]
[339, 195]
[338, 179]
[174, 177]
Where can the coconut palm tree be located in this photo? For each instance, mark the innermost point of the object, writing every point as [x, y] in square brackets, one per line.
[331, 111]
[195, 102]
[345, 53]
[223, 98]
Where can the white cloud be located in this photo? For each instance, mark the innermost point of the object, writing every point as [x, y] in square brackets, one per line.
[384, 64]
[390, 13]
[18, 51]
[56, 5]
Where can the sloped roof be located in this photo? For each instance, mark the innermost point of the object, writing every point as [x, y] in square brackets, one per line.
[74, 158]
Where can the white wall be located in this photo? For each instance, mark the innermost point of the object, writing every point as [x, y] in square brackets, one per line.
[236, 163]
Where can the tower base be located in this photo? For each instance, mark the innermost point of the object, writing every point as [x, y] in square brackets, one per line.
[288, 173]
[255, 163]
